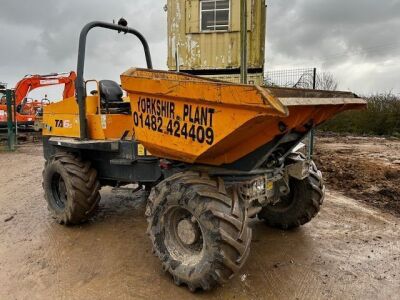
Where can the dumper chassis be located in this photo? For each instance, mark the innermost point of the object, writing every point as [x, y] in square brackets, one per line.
[198, 216]
[198, 213]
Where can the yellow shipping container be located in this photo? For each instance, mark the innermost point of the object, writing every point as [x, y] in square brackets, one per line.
[204, 38]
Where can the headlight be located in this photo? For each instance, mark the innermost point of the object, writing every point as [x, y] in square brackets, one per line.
[256, 189]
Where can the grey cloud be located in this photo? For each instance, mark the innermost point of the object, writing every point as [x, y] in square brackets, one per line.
[336, 35]
[331, 34]
[44, 35]
[317, 27]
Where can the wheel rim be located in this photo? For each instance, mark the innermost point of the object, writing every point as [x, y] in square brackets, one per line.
[183, 236]
[59, 191]
[287, 201]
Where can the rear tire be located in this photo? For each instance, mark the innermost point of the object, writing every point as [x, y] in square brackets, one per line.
[300, 206]
[199, 233]
[71, 188]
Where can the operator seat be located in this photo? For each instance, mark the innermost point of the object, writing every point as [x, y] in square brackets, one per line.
[111, 98]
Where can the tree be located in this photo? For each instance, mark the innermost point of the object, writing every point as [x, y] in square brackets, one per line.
[326, 81]
[323, 81]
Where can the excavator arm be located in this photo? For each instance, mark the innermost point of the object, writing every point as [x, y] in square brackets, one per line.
[27, 112]
[32, 82]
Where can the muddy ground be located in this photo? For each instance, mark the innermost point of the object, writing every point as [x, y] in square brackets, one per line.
[350, 250]
[364, 168]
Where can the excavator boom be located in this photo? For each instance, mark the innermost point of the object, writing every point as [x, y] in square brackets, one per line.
[26, 113]
[32, 82]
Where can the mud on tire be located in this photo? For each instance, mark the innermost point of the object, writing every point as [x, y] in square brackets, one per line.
[300, 206]
[210, 253]
[71, 188]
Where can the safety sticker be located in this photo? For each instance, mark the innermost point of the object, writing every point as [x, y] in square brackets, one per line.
[103, 121]
[142, 151]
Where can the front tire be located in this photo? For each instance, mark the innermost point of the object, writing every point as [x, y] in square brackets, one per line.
[301, 205]
[71, 189]
[198, 232]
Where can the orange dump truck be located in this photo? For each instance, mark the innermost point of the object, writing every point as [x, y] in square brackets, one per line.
[213, 156]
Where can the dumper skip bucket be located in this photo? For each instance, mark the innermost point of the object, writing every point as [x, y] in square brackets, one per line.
[196, 120]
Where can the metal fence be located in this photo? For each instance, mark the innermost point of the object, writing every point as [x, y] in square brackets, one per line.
[293, 78]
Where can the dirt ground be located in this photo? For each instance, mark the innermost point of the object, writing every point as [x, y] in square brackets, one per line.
[364, 168]
[349, 251]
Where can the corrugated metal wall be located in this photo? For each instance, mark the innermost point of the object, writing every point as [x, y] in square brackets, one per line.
[213, 50]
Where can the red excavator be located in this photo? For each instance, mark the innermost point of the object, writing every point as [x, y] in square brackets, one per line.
[29, 110]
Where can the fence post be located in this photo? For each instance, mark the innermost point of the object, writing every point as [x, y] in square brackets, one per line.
[311, 135]
[10, 125]
[243, 41]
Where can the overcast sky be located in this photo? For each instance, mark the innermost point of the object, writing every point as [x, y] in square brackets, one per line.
[357, 40]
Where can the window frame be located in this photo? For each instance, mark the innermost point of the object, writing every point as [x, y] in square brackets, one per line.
[229, 9]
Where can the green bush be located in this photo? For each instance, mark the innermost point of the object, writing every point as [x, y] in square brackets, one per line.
[382, 117]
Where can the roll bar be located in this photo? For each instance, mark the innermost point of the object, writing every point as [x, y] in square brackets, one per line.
[80, 83]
